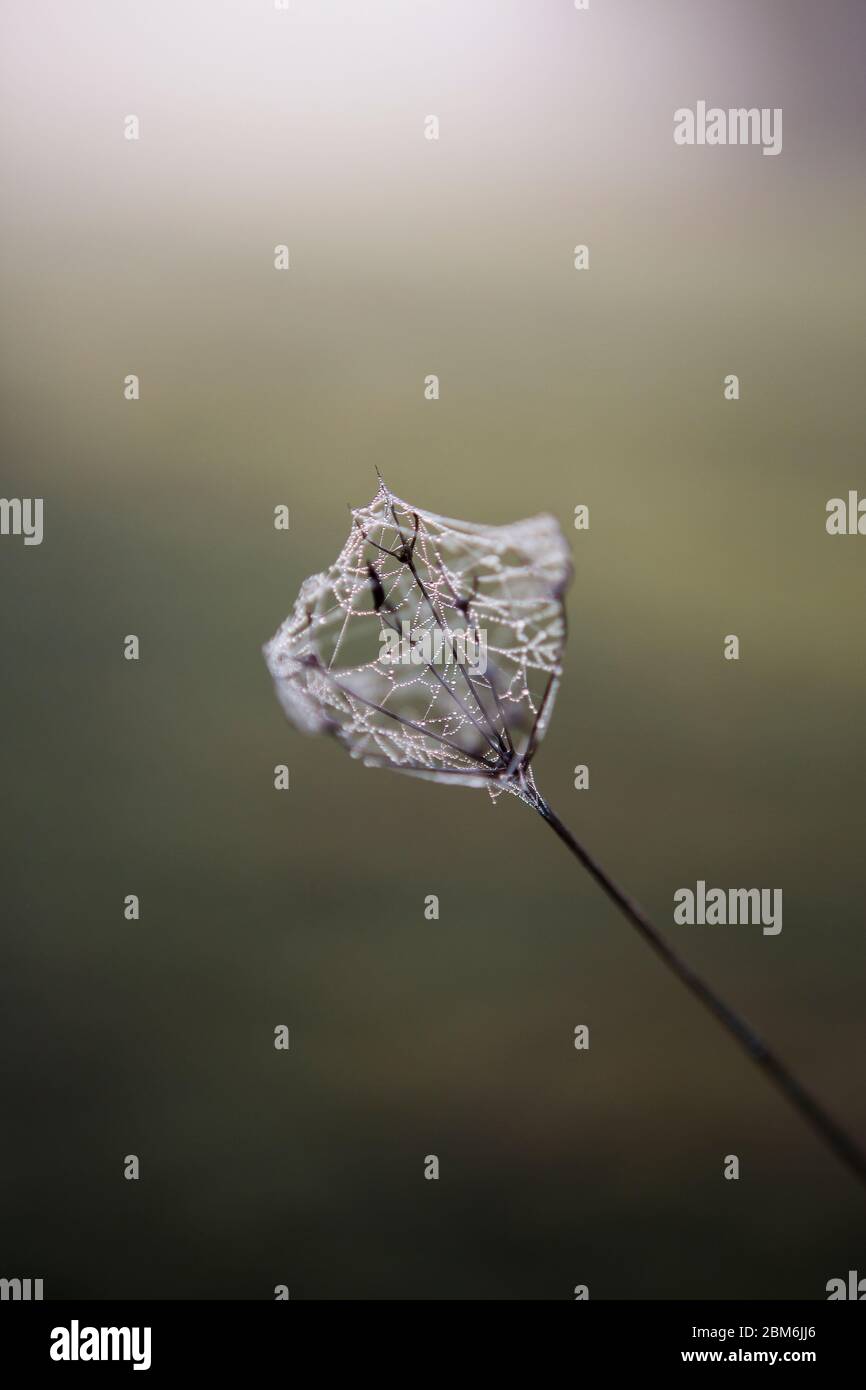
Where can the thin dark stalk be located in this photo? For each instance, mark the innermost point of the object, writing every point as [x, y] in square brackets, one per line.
[815, 1115]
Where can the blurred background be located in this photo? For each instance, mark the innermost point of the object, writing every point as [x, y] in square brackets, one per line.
[305, 908]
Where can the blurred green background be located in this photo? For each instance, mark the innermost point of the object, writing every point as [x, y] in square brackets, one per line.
[412, 257]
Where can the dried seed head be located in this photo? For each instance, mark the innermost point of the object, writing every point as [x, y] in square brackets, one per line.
[436, 586]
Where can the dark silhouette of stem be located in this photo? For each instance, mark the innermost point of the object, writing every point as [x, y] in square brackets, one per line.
[814, 1114]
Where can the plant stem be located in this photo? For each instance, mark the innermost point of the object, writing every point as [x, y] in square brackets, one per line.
[815, 1115]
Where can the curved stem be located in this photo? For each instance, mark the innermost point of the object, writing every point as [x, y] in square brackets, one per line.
[815, 1115]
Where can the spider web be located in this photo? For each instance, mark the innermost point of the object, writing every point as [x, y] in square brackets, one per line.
[448, 591]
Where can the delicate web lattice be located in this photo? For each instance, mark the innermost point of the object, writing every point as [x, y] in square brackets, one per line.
[431, 646]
